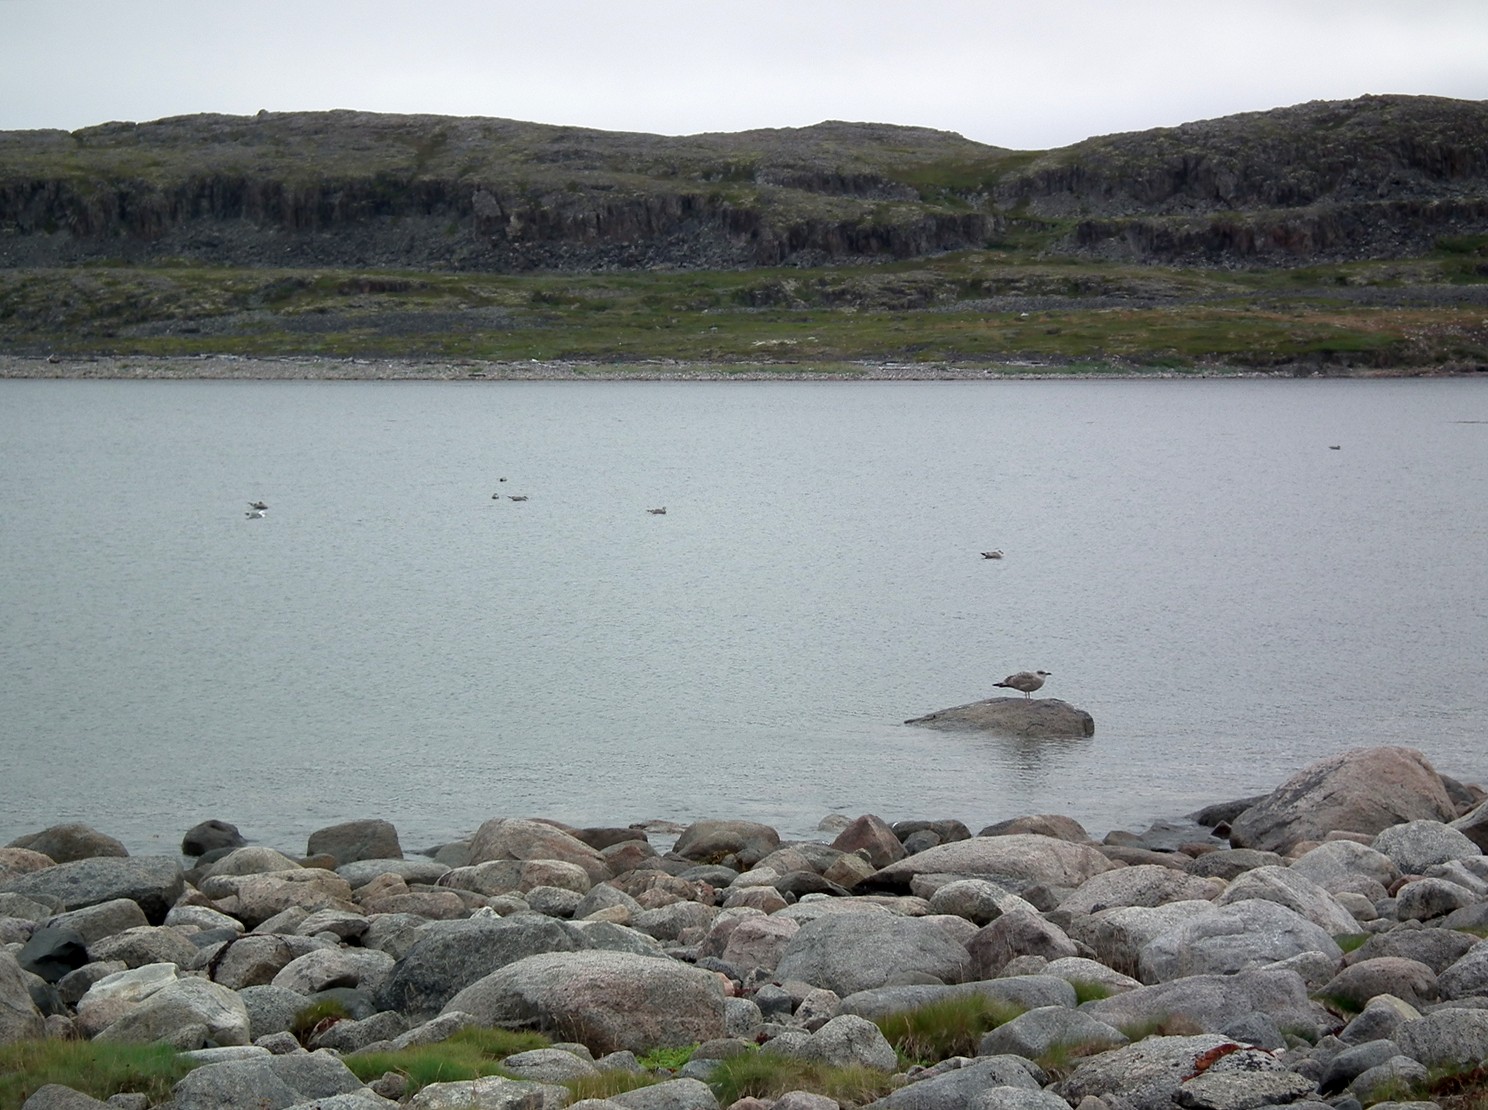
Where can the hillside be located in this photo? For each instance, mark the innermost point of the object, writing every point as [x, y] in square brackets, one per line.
[1344, 237]
[1381, 177]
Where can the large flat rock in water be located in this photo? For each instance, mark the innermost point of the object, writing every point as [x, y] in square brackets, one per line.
[1040, 718]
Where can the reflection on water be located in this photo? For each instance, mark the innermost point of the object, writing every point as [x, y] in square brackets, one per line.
[1228, 598]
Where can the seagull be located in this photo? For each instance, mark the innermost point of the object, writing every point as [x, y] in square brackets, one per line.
[991, 554]
[259, 505]
[254, 514]
[1335, 447]
[1027, 681]
[658, 512]
[517, 496]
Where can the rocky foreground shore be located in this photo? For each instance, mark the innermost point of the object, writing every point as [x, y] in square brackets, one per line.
[1316, 946]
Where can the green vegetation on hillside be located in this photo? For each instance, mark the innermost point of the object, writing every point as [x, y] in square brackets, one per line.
[969, 308]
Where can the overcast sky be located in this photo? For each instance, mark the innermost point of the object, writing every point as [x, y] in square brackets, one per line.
[1026, 75]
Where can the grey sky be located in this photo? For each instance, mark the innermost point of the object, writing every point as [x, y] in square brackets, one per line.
[1023, 75]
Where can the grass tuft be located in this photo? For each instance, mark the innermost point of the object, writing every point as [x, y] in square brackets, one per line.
[471, 1053]
[767, 1075]
[948, 1027]
[96, 1069]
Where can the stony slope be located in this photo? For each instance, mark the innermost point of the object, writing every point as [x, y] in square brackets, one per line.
[1373, 177]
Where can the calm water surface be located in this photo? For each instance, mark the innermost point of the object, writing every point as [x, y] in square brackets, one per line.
[1227, 596]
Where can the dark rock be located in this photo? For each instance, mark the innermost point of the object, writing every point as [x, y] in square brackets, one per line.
[1035, 718]
[211, 836]
[944, 831]
[52, 953]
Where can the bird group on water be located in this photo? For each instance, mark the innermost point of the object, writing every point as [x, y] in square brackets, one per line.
[256, 510]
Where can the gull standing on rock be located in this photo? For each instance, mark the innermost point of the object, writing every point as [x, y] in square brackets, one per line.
[1027, 681]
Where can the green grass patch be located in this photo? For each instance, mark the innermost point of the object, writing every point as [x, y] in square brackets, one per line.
[471, 1053]
[948, 1027]
[1086, 991]
[766, 1075]
[98, 1070]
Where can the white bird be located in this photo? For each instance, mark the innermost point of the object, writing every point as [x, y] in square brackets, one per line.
[991, 554]
[254, 514]
[1027, 681]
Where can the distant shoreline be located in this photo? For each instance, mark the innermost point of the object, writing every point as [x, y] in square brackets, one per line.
[309, 368]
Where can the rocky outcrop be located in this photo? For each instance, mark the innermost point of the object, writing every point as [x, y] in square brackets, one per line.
[1035, 718]
[1381, 175]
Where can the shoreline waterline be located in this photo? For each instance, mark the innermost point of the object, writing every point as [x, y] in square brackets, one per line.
[316, 368]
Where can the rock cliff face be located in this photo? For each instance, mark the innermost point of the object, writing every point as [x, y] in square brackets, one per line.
[1380, 176]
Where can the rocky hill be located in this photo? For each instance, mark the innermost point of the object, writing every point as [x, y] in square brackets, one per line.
[1381, 177]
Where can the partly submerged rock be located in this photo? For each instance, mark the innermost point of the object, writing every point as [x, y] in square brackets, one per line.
[1038, 718]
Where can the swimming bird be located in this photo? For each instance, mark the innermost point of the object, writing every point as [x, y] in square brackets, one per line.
[1027, 681]
[658, 512]
[254, 514]
[517, 496]
[991, 554]
[259, 505]
[1335, 447]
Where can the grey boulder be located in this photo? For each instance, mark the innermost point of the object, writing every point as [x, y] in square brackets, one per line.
[609, 1001]
[1036, 718]
[846, 953]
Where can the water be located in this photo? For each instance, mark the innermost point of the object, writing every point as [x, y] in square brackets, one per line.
[1228, 598]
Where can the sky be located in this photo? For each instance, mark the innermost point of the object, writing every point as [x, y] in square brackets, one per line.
[1028, 75]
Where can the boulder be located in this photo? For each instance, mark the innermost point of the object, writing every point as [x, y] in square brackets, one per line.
[146, 944]
[1117, 936]
[965, 1083]
[252, 960]
[1445, 1038]
[250, 860]
[1035, 1033]
[211, 836]
[1016, 933]
[975, 900]
[263, 896]
[1424, 899]
[1296, 892]
[510, 838]
[608, 1001]
[1138, 885]
[1413, 846]
[1026, 992]
[1232, 938]
[70, 842]
[1212, 1002]
[1364, 791]
[153, 882]
[324, 968]
[854, 952]
[759, 941]
[350, 841]
[872, 836]
[1408, 980]
[450, 955]
[1346, 866]
[102, 919]
[1147, 1074]
[491, 1092]
[187, 1013]
[513, 876]
[713, 841]
[1035, 718]
[20, 1020]
[52, 953]
[1017, 862]
[850, 1041]
[361, 872]
[281, 1081]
